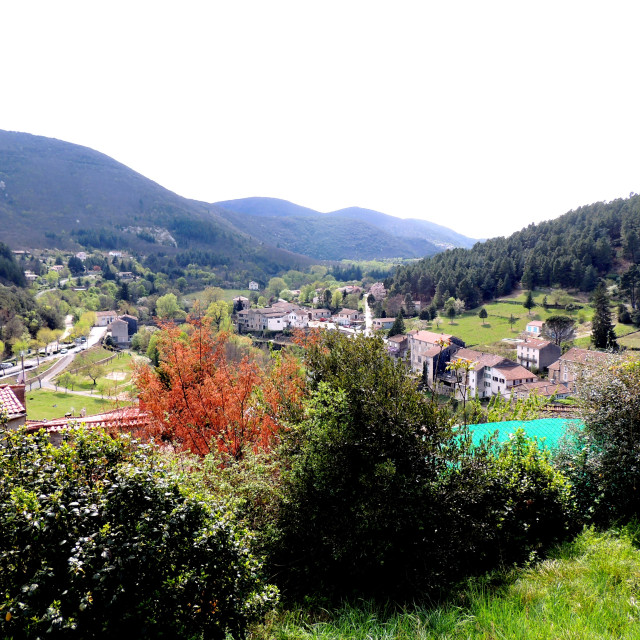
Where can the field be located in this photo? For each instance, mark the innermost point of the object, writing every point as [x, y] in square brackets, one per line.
[116, 378]
[228, 294]
[470, 328]
[48, 405]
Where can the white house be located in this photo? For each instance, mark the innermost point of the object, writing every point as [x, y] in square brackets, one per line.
[254, 286]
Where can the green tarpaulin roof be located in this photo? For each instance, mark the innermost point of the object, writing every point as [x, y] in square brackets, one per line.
[548, 431]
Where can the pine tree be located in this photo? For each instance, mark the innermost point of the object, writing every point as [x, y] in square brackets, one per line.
[398, 325]
[602, 334]
[528, 304]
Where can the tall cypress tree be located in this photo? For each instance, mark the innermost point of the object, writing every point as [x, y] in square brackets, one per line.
[602, 334]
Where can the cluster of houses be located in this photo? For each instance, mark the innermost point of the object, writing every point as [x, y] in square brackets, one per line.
[283, 315]
[121, 326]
[485, 375]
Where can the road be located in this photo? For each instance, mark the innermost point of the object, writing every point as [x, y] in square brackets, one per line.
[95, 335]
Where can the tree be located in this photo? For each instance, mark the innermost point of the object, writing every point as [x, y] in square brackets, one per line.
[602, 334]
[356, 498]
[397, 327]
[482, 314]
[512, 321]
[630, 284]
[603, 458]
[559, 329]
[409, 306]
[451, 314]
[76, 266]
[528, 304]
[200, 400]
[275, 286]
[167, 306]
[100, 539]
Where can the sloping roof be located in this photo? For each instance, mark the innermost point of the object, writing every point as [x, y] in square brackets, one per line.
[9, 402]
[429, 336]
[126, 419]
[512, 371]
[584, 356]
[545, 388]
[532, 343]
[479, 358]
[535, 323]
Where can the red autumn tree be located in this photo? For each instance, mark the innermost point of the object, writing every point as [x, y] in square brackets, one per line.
[200, 400]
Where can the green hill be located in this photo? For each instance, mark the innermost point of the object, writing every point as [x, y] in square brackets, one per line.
[354, 233]
[60, 195]
[571, 252]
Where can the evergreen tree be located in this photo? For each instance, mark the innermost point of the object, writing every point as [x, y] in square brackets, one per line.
[528, 304]
[397, 327]
[602, 334]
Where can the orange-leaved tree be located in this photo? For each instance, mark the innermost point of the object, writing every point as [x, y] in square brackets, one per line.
[201, 400]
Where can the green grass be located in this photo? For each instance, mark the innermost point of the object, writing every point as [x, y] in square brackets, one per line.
[229, 294]
[630, 340]
[589, 589]
[109, 386]
[48, 405]
[470, 328]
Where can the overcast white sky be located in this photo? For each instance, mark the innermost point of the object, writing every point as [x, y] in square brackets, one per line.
[481, 116]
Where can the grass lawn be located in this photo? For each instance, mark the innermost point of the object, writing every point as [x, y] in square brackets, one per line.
[116, 378]
[588, 589]
[470, 328]
[229, 294]
[630, 340]
[43, 404]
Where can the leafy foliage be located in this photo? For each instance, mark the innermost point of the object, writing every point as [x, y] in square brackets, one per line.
[201, 400]
[603, 459]
[98, 540]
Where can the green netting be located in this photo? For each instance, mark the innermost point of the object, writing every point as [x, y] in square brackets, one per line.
[548, 431]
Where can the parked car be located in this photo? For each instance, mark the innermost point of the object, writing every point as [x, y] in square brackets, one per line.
[5, 365]
[64, 351]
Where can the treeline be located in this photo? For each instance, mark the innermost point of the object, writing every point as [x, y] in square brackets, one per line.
[571, 251]
[10, 271]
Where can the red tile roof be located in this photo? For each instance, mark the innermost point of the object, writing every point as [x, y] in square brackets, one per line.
[9, 402]
[125, 419]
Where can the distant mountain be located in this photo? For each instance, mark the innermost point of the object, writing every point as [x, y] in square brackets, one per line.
[352, 233]
[271, 207]
[409, 227]
[57, 194]
[54, 194]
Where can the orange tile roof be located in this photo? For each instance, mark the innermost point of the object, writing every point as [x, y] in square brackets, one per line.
[125, 419]
[9, 402]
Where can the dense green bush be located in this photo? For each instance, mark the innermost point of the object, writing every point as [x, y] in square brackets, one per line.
[382, 499]
[603, 459]
[503, 504]
[99, 540]
[360, 469]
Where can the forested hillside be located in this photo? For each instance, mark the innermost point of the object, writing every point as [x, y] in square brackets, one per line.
[571, 251]
[352, 233]
[54, 194]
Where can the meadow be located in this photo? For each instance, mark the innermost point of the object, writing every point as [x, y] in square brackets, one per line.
[497, 326]
[43, 404]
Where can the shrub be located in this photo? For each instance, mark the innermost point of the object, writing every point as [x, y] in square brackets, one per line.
[603, 459]
[99, 540]
[504, 502]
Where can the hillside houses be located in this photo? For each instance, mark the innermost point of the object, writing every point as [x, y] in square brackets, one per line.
[490, 375]
[283, 315]
[570, 365]
[537, 353]
[431, 351]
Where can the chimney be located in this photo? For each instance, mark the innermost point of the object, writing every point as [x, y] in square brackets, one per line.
[18, 392]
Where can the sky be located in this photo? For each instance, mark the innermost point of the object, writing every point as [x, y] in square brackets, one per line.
[480, 116]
